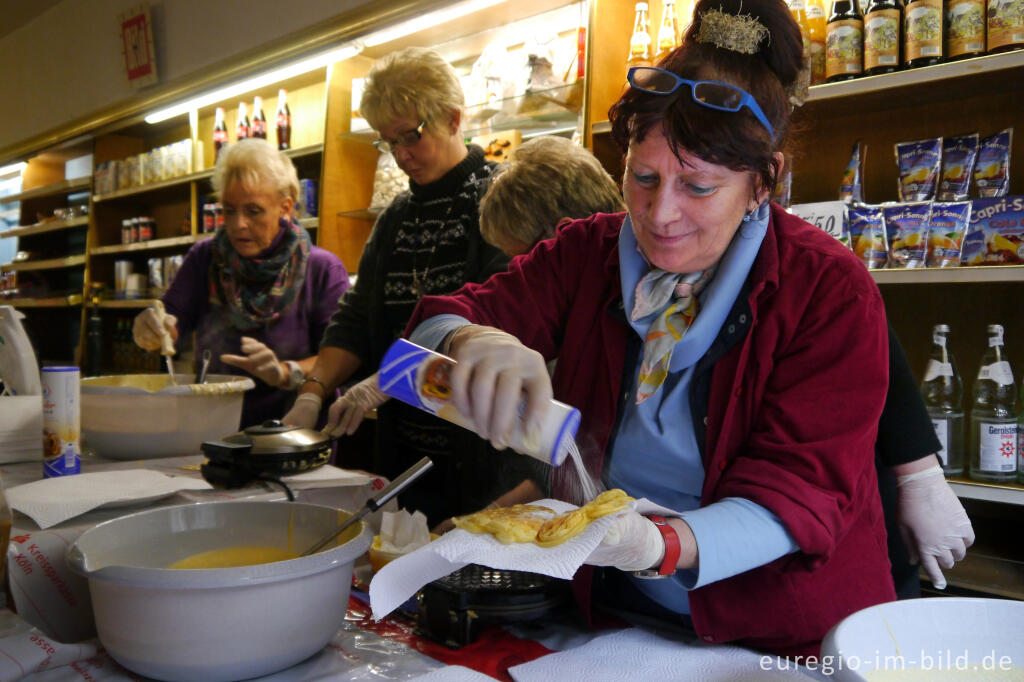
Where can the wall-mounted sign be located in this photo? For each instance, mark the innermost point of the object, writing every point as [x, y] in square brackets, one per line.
[136, 30]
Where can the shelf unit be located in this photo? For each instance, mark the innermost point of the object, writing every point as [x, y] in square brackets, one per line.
[45, 226]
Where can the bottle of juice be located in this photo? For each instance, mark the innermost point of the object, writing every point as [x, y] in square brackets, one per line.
[640, 41]
[668, 31]
[965, 28]
[798, 8]
[883, 23]
[994, 415]
[923, 33]
[943, 393]
[844, 42]
[816, 20]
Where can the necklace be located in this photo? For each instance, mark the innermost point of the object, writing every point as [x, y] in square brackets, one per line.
[419, 279]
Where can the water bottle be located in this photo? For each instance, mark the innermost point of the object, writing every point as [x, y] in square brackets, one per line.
[994, 415]
[419, 377]
[943, 393]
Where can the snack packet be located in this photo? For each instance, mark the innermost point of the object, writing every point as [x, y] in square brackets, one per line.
[851, 189]
[906, 227]
[996, 235]
[946, 229]
[958, 156]
[866, 229]
[992, 170]
[919, 164]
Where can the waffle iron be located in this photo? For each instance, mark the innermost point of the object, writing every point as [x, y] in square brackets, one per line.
[264, 452]
[453, 610]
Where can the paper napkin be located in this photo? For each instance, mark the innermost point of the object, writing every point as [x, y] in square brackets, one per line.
[53, 500]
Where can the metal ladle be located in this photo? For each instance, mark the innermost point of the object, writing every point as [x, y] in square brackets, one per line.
[376, 502]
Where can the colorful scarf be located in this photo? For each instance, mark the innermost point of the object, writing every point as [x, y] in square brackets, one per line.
[653, 291]
[255, 292]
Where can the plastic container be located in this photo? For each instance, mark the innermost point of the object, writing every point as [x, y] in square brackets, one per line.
[143, 416]
[419, 377]
[219, 623]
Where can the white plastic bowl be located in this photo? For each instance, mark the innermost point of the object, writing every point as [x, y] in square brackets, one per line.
[123, 417]
[216, 624]
[941, 638]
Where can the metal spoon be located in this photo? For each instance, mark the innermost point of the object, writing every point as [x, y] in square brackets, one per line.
[377, 501]
[201, 374]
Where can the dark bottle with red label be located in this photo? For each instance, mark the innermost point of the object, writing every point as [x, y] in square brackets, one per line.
[259, 120]
[242, 128]
[284, 121]
[220, 133]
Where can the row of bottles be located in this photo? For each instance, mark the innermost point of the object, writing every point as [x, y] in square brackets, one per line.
[995, 428]
[668, 38]
[889, 35]
[811, 17]
[257, 126]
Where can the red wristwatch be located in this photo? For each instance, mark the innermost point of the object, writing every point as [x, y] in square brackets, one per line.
[672, 551]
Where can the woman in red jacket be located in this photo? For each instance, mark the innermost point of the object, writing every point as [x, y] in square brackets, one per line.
[729, 359]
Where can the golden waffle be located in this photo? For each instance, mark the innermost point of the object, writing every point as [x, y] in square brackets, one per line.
[534, 523]
[518, 523]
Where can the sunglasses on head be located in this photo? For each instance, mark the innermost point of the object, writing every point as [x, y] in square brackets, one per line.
[711, 94]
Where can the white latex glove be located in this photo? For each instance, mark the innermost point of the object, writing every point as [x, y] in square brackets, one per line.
[304, 412]
[933, 523]
[260, 361]
[347, 412]
[151, 328]
[492, 373]
[632, 543]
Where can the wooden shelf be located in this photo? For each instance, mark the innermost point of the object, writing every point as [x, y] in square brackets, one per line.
[49, 264]
[48, 226]
[309, 223]
[62, 187]
[973, 273]
[300, 152]
[150, 245]
[50, 302]
[153, 186]
[126, 303]
[1006, 493]
[362, 214]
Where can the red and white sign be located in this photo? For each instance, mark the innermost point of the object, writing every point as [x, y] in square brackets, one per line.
[136, 28]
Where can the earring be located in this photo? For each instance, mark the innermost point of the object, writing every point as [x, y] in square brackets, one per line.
[747, 216]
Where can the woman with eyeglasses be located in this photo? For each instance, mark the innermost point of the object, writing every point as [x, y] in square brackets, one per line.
[427, 241]
[729, 359]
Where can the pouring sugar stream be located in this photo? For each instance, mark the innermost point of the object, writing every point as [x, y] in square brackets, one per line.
[419, 377]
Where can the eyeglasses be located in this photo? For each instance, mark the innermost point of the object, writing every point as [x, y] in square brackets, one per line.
[711, 94]
[405, 139]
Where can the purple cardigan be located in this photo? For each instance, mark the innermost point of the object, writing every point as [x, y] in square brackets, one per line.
[294, 336]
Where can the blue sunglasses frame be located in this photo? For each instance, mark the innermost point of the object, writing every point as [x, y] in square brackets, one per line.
[746, 99]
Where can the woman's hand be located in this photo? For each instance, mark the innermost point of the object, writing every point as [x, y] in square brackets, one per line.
[492, 373]
[933, 523]
[150, 329]
[632, 543]
[260, 361]
[347, 412]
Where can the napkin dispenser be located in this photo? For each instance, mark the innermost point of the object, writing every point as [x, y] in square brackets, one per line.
[21, 404]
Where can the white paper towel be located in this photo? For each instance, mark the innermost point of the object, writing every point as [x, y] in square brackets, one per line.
[52, 500]
[642, 654]
[403, 577]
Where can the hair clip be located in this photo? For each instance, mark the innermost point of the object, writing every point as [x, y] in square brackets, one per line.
[737, 32]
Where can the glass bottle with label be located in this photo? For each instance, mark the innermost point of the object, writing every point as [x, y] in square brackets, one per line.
[220, 132]
[816, 20]
[965, 28]
[943, 393]
[668, 31]
[798, 8]
[640, 41]
[993, 426]
[844, 42]
[259, 119]
[1005, 26]
[284, 121]
[242, 128]
[922, 33]
[883, 24]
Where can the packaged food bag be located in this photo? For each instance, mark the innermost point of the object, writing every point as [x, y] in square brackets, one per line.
[958, 155]
[906, 227]
[866, 227]
[992, 170]
[919, 164]
[946, 230]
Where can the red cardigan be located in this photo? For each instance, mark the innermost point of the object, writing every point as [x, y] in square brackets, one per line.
[792, 416]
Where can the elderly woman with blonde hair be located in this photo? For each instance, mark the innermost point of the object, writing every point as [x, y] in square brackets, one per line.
[257, 294]
[427, 241]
